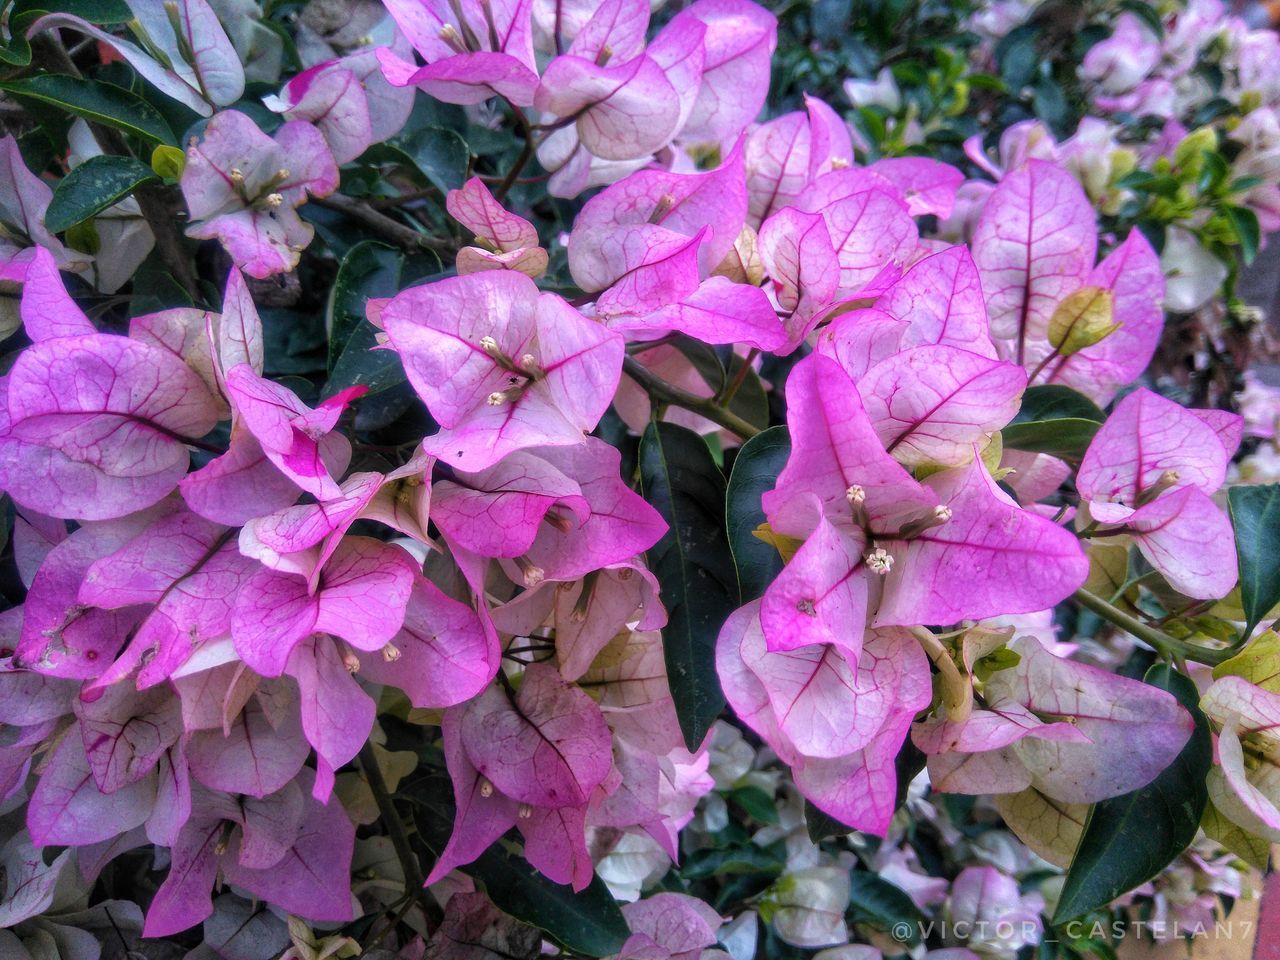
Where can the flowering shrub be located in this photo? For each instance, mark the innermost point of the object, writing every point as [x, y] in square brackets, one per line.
[749, 533]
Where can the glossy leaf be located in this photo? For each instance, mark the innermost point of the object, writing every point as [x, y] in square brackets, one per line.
[97, 102]
[694, 567]
[1255, 514]
[95, 185]
[755, 470]
[1129, 839]
[370, 269]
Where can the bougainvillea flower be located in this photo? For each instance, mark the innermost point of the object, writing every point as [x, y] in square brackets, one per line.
[242, 187]
[928, 186]
[361, 597]
[24, 198]
[187, 570]
[473, 50]
[875, 525]
[680, 926]
[291, 434]
[786, 154]
[1150, 472]
[288, 849]
[95, 426]
[857, 788]
[868, 222]
[1034, 245]
[68, 808]
[800, 259]
[620, 524]
[738, 46]
[658, 207]
[621, 112]
[1125, 731]
[534, 763]
[1242, 785]
[941, 300]
[255, 752]
[46, 309]
[442, 656]
[499, 511]
[586, 614]
[1132, 278]
[330, 97]
[500, 365]
[196, 63]
[336, 713]
[931, 404]
[509, 242]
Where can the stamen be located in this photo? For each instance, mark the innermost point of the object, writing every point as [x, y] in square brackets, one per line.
[879, 561]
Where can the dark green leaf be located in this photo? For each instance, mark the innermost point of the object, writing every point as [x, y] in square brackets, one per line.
[1068, 437]
[745, 859]
[95, 11]
[1255, 514]
[1054, 419]
[750, 402]
[755, 803]
[1127, 840]
[1054, 402]
[755, 471]
[587, 923]
[370, 269]
[90, 188]
[440, 154]
[1245, 222]
[878, 903]
[693, 565]
[94, 100]
[822, 825]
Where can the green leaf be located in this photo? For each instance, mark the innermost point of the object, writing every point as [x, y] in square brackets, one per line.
[94, 100]
[588, 923]
[1069, 437]
[756, 803]
[100, 12]
[1053, 419]
[1127, 840]
[745, 859]
[442, 156]
[693, 565]
[1055, 402]
[1245, 223]
[755, 471]
[370, 269]
[879, 903]
[1255, 514]
[821, 825]
[90, 188]
[750, 402]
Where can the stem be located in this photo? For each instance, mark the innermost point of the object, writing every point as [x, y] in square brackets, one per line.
[155, 205]
[399, 838]
[396, 232]
[526, 153]
[731, 389]
[659, 389]
[1158, 640]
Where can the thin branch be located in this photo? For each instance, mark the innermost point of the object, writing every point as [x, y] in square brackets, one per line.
[399, 837]
[394, 231]
[1158, 640]
[659, 389]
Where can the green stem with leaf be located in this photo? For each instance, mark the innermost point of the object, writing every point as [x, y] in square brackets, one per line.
[1157, 639]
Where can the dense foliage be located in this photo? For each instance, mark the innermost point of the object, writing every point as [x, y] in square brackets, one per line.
[504, 477]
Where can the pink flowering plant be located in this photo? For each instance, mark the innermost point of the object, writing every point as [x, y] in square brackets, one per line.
[480, 480]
